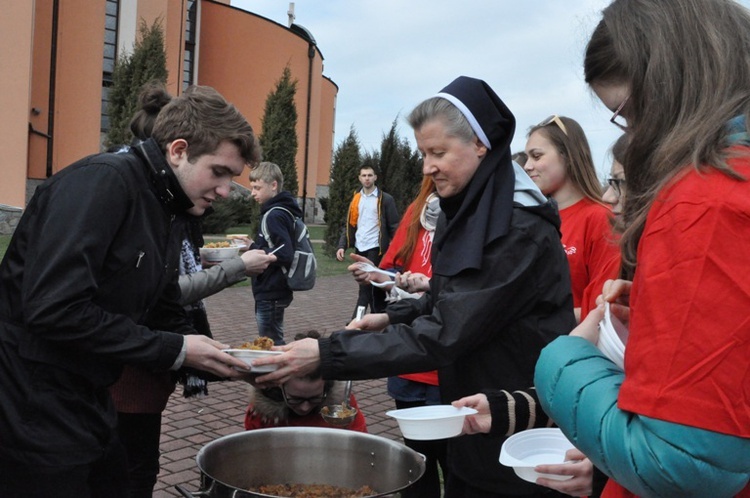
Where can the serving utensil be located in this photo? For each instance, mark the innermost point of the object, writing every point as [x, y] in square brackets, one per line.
[341, 415]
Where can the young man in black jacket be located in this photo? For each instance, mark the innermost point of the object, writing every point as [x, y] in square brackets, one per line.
[93, 260]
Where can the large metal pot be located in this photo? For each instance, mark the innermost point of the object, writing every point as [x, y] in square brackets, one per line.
[304, 455]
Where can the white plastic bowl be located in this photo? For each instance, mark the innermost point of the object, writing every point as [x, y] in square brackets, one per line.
[431, 422]
[525, 450]
[219, 254]
[612, 338]
[248, 355]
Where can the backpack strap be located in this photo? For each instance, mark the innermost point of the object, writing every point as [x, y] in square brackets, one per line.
[264, 225]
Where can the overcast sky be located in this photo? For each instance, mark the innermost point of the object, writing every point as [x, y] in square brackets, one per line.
[388, 55]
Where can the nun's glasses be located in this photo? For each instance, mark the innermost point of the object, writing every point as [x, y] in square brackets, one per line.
[554, 119]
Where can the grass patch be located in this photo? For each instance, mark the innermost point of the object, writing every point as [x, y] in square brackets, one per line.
[317, 232]
[4, 242]
[328, 267]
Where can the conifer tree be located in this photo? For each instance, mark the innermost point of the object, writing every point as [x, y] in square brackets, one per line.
[343, 184]
[279, 130]
[400, 170]
[147, 62]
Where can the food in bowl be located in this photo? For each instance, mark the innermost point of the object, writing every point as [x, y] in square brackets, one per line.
[249, 351]
[313, 491]
[259, 344]
[217, 245]
[431, 422]
[525, 450]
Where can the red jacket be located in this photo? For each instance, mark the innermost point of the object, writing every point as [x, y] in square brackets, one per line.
[420, 262]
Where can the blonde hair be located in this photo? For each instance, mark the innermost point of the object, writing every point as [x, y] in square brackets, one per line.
[269, 173]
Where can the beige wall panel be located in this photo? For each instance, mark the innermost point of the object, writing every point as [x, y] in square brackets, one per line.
[243, 55]
[40, 86]
[326, 125]
[15, 59]
[150, 10]
[171, 14]
[78, 84]
[314, 131]
[174, 42]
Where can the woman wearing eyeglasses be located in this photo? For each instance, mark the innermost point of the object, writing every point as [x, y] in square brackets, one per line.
[614, 195]
[297, 402]
[676, 422]
[559, 162]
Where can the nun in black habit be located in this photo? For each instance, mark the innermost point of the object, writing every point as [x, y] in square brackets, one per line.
[500, 289]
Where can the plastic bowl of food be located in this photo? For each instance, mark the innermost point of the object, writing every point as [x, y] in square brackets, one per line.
[214, 253]
[248, 355]
[613, 335]
[525, 450]
[431, 422]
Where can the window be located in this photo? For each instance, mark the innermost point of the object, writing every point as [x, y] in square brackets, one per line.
[110, 55]
[188, 66]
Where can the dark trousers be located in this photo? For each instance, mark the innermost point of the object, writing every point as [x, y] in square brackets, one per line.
[269, 315]
[140, 434]
[370, 297]
[103, 478]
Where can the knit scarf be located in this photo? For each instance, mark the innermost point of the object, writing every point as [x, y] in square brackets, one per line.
[190, 263]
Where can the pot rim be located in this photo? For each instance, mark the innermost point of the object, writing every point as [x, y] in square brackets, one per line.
[326, 431]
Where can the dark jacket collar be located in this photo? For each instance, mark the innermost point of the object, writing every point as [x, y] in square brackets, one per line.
[165, 183]
[282, 199]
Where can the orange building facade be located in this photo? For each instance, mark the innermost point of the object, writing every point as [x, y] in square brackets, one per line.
[57, 56]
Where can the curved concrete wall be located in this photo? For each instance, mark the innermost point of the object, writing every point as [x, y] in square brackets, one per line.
[55, 84]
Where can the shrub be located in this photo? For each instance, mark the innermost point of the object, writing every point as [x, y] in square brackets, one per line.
[237, 209]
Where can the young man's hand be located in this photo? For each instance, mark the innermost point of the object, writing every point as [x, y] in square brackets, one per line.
[256, 261]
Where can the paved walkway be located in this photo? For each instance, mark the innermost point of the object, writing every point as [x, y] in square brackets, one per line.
[190, 424]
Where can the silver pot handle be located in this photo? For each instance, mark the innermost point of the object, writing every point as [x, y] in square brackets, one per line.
[188, 494]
